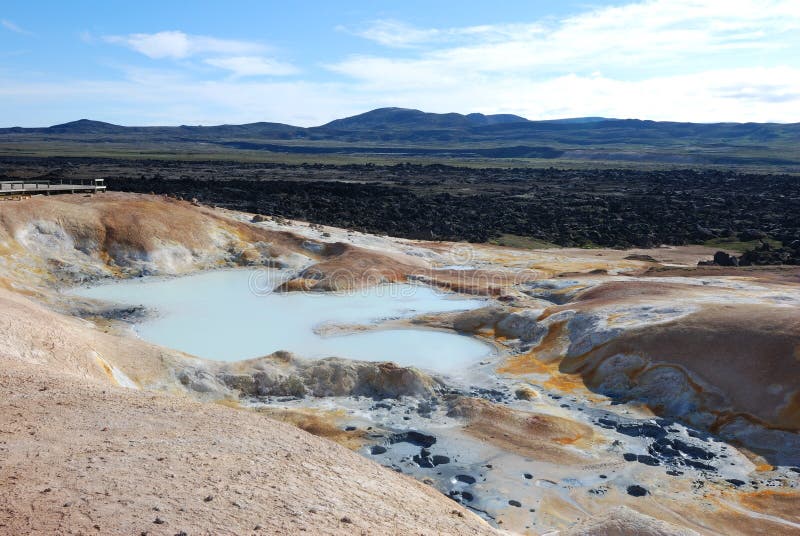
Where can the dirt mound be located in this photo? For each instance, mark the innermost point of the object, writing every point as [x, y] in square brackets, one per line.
[623, 521]
[35, 336]
[73, 238]
[83, 458]
[346, 267]
[705, 368]
[544, 437]
[284, 374]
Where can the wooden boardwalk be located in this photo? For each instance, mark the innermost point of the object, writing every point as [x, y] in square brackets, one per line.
[44, 187]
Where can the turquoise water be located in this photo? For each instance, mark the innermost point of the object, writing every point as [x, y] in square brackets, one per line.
[229, 315]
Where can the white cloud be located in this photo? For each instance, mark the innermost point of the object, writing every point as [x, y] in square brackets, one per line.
[649, 34]
[240, 58]
[178, 45]
[393, 33]
[252, 66]
[679, 60]
[398, 34]
[157, 97]
[690, 60]
[8, 25]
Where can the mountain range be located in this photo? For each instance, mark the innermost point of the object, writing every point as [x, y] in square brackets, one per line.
[406, 132]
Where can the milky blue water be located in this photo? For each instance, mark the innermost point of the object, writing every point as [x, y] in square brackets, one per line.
[230, 315]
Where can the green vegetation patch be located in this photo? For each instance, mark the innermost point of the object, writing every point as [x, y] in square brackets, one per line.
[521, 242]
[734, 244]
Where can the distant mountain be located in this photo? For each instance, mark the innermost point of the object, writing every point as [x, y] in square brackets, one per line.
[580, 120]
[402, 132]
[86, 126]
[394, 118]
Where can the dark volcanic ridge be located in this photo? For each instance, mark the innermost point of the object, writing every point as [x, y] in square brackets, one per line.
[413, 133]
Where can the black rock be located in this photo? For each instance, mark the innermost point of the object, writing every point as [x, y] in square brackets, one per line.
[606, 423]
[423, 461]
[415, 438]
[512, 502]
[723, 259]
[439, 459]
[699, 465]
[377, 449]
[751, 234]
[641, 430]
[528, 476]
[736, 482]
[693, 451]
[637, 491]
[460, 496]
[467, 479]
[629, 457]
[647, 460]
[663, 448]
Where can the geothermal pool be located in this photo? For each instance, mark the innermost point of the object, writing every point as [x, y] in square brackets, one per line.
[230, 315]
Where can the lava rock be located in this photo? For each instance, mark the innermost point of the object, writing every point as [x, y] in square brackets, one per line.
[461, 496]
[663, 448]
[439, 459]
[693, 451]
[637, 491]
[647, 460]
[415, 438]
[699, 465]
[724, 259]
[466, 479]
[641, 430]
[423, 461]
[606, 423]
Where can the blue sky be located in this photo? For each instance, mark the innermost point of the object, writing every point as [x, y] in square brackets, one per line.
[305, 63]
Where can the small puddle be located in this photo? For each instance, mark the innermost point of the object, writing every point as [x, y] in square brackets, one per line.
[218, 315]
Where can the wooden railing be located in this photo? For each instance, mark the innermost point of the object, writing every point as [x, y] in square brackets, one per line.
[47, 187]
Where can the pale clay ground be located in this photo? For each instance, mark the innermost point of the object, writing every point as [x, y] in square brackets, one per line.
[81, 455]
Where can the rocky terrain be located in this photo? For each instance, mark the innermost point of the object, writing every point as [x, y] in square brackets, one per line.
[633, 391]
[517, 206]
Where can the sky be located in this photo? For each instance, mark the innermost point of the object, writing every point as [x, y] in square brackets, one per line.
[308, 62]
